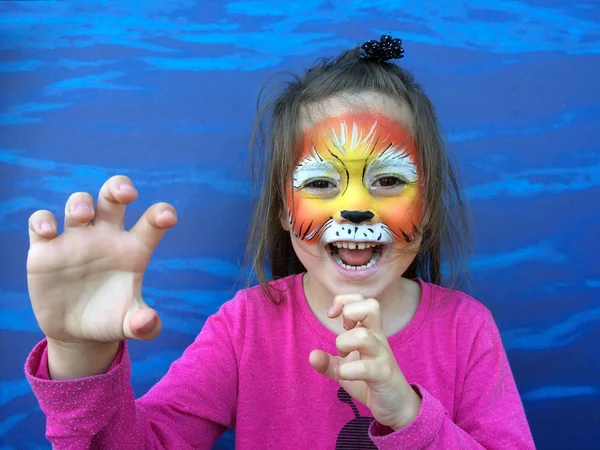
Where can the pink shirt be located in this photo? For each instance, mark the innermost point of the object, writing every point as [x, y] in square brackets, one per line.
[248, 370]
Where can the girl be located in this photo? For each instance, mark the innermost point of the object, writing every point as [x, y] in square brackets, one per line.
[354, 345]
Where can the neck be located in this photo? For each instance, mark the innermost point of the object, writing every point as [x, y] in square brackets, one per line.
[398, 304]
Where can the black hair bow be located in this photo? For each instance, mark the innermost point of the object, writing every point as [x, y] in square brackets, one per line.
[383, 50]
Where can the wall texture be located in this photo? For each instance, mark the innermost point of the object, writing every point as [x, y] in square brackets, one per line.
[164, 92]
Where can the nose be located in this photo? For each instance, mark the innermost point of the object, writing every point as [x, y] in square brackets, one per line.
[357, 216]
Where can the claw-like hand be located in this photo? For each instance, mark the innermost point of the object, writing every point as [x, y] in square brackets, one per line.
[85, 284]
[366, 367]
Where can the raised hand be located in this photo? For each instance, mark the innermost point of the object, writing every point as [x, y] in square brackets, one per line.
[85, 284]
[366, 367]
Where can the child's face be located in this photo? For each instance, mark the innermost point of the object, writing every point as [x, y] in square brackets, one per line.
[354, 200]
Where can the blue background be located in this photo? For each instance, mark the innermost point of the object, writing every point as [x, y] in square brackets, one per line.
[164, 91]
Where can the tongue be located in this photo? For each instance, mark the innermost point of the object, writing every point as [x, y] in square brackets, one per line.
[356, 257]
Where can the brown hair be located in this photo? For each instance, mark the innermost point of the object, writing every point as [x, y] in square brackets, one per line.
[444, 230]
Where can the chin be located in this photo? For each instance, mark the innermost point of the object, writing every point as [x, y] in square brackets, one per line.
[351, 267]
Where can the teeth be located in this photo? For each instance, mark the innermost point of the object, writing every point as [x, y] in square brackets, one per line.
[374, 259]
[353, 245]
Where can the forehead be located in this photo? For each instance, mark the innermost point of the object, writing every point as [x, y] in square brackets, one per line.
[359, 103]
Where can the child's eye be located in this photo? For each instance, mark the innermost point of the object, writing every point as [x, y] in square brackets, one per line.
[389, 182]
[320, 184]
[321, 187]
[387, 185]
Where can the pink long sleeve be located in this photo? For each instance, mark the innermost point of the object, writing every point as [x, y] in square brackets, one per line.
[189, 408]
[248, 370]
[489, 414]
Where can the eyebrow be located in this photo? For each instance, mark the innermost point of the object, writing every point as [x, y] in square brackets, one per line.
[393, 154]
[398, 159]
[312, 167]
[390, 162]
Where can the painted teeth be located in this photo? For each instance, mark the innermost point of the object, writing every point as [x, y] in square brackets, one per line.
[353, 245]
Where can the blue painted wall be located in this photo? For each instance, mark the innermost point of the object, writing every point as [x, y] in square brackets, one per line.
[164, 92]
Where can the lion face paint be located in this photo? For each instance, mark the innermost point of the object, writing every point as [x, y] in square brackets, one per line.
[356, 178]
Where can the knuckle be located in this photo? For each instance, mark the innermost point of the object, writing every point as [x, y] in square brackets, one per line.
[38, 214]
[373, 305]
[362, 334]
[341, 299]
[118, 180]
[122, 178]
[80, 197]
[160, 206]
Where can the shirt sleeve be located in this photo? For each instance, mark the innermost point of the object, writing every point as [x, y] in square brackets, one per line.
[490, 414]
[189, 408]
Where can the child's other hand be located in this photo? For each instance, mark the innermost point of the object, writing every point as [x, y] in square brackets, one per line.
[85, 284]
[366, 367]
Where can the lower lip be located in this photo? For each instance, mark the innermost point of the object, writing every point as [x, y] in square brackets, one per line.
[356, 275]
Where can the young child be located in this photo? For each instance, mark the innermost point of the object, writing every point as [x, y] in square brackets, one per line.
[354, 345]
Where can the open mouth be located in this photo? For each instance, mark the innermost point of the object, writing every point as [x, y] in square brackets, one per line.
[355, 255]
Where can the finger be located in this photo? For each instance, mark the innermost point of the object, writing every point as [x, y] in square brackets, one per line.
[368, 370]
[339, 301]
[115, 194]
[79, 210]
[324, 363]
[358, 339]
[142, 323]
[154, 223]
[42, 227]
[366, 312]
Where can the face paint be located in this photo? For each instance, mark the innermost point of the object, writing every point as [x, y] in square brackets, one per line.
[356, 178]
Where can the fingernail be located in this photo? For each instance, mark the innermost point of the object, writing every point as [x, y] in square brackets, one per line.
[167, 212]
[83, 207]
[45, 226]
[126, 187]
[331, 310]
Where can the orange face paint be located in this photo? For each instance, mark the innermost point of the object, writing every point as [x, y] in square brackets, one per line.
[356, 177]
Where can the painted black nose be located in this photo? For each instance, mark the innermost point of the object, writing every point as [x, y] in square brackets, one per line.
[357, 216]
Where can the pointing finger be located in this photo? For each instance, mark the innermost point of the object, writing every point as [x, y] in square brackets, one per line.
[358, 339]
[339, 301]
[115, 194]
[366, 312]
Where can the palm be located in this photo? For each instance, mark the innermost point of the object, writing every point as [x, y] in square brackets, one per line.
[85, 283]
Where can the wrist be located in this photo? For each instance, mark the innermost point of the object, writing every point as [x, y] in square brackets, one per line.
[70, 360]
[412, 406]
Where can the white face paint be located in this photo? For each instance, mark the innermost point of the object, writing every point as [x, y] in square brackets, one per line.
[313, 167]
[391, 163]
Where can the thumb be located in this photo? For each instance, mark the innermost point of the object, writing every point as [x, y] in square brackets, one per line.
[324, 363]
[141, 322]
